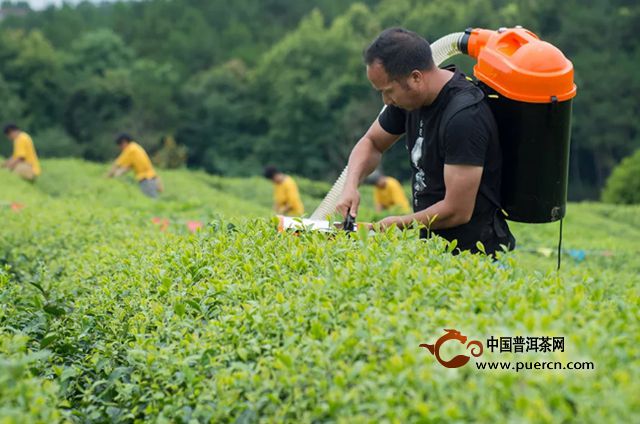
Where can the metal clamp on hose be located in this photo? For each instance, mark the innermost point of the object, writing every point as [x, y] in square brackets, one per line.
[463, 43]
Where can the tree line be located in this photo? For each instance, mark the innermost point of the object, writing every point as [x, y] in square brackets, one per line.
[250, 82]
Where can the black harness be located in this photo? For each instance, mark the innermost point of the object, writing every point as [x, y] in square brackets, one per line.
[464, 99]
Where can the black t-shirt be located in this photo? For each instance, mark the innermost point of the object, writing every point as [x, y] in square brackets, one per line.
[469, 138]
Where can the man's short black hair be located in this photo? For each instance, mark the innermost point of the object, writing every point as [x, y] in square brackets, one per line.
[124, 137]
[401, 52]
[270, 171]
[10, 127]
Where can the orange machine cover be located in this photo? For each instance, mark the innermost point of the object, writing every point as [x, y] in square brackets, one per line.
[520, 66]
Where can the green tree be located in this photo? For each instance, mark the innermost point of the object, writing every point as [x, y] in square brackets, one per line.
[35, 73]
[97, 52]
[101, 92]
[154, 95]
[307, 83]
[55, 142]
[221, 121]
[13, 108]
[94, 105]
[623, 186]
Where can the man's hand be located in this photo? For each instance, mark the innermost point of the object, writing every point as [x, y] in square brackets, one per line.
[398, 221]
[117, 171]
[349, 202]
[160, 184]
[11, 163]
[387, 222]
[112, 171]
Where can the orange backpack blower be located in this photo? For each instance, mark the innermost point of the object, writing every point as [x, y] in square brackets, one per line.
[529, 86]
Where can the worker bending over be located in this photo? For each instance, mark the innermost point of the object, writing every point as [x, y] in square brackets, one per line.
[24, 160]
[286, 197]
[389, 195]
[134, 157]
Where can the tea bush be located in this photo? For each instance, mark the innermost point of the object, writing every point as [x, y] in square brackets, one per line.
[106, 318]
[623, 185]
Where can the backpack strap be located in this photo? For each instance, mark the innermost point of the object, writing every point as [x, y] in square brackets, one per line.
[466, 98]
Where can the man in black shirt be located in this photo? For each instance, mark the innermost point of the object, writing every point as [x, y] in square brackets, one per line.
[451, 137]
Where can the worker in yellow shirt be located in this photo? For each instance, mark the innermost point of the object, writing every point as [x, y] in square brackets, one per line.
[388, 194]
[24, 160]
[134, 157]
[286, 197]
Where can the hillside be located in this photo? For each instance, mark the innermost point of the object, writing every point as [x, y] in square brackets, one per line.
[106, 317]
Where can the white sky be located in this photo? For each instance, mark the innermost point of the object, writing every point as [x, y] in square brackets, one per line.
[41, 4]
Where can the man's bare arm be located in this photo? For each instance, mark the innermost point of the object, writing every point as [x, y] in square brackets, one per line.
[364, 159]
[461, 184]
[117, 170]
[12, 162]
